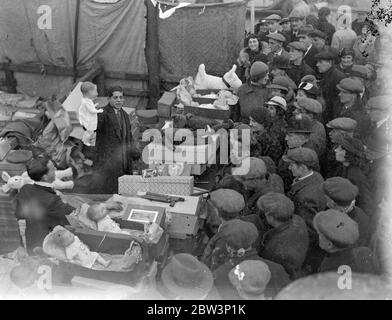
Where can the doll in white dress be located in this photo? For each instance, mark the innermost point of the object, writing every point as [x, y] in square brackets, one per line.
[76, 250]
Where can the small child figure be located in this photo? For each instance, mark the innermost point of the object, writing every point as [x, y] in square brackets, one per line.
[88, 112]
[99, 214]
[75, 250]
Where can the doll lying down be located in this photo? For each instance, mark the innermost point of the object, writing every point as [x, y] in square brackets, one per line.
[65, 246]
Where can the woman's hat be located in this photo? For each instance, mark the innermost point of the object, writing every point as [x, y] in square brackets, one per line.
[187, 277]
[278, 101]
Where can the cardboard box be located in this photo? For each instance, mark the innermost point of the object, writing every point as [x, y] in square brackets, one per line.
[131, 185]
[165, 104]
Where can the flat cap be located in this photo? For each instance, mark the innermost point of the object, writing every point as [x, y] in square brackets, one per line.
[258, 69]
[238, 234]
[277, 36]
[317, 34]
[300, 125]
[337, 227]
[278, 101]
[250, 277]
[250, 168]
[350, 85]
[228, 201]
[273, 17]
[360, 71]
[302, 155]
[300, 46]
[351, 145]
[273, 202]
[379, 103]
[345, 124]
[340, 190]
[281, 83]
[310, 105]
[326, 55]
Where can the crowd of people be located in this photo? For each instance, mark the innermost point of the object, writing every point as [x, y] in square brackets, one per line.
[306, 197]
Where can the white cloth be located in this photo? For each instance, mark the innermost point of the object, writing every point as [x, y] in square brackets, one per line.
[108, 225]
[88, 114]
[79, 252]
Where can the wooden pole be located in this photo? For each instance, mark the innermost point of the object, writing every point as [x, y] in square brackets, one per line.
[10, 80]
[152, 54]
[76, 38]
[252, 16]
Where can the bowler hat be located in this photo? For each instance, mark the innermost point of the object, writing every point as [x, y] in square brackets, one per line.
[187, 277]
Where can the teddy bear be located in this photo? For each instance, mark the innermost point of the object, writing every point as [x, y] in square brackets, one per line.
[17, 182]
[76, 250]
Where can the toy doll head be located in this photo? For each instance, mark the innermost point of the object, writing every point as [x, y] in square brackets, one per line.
[63, 237]
[96, 212]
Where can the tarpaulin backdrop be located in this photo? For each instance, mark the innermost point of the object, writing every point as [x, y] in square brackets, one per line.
[211, 34]
[115, 32]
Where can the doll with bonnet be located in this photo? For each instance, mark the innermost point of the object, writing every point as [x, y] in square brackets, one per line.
[75, 250]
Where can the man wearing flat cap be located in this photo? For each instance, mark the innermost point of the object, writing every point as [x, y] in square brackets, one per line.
[313, 109]
[254, 92]
[287, 240]
[341, 195]
[275, 42]
[239, 237]
[297, 20]
[338, 237]
[342, 127]
[311, 50]
[298, 67]
[330, 78]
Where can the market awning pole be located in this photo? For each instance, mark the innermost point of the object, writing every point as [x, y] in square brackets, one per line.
[76, 36]
[152, 54]
[252, 16]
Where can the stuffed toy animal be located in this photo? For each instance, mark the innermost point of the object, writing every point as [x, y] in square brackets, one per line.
[99, 213]
[76, 250]
[17, 182]
[206, 81]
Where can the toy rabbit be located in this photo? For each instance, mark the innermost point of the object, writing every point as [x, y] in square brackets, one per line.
[75, 250]
[99, 214]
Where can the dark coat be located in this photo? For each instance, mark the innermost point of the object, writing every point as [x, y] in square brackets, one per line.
[287, 245]
[327, 28]
[114, 149]
[53, 208]
[318, 138]
[279, 277]
[363, 221]
[251, 97]
[328, 83]
[310, 59]
[359, 259]
[284, 54]
[296, 73]
[308, 197]
[357, 111]
[358, 178]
